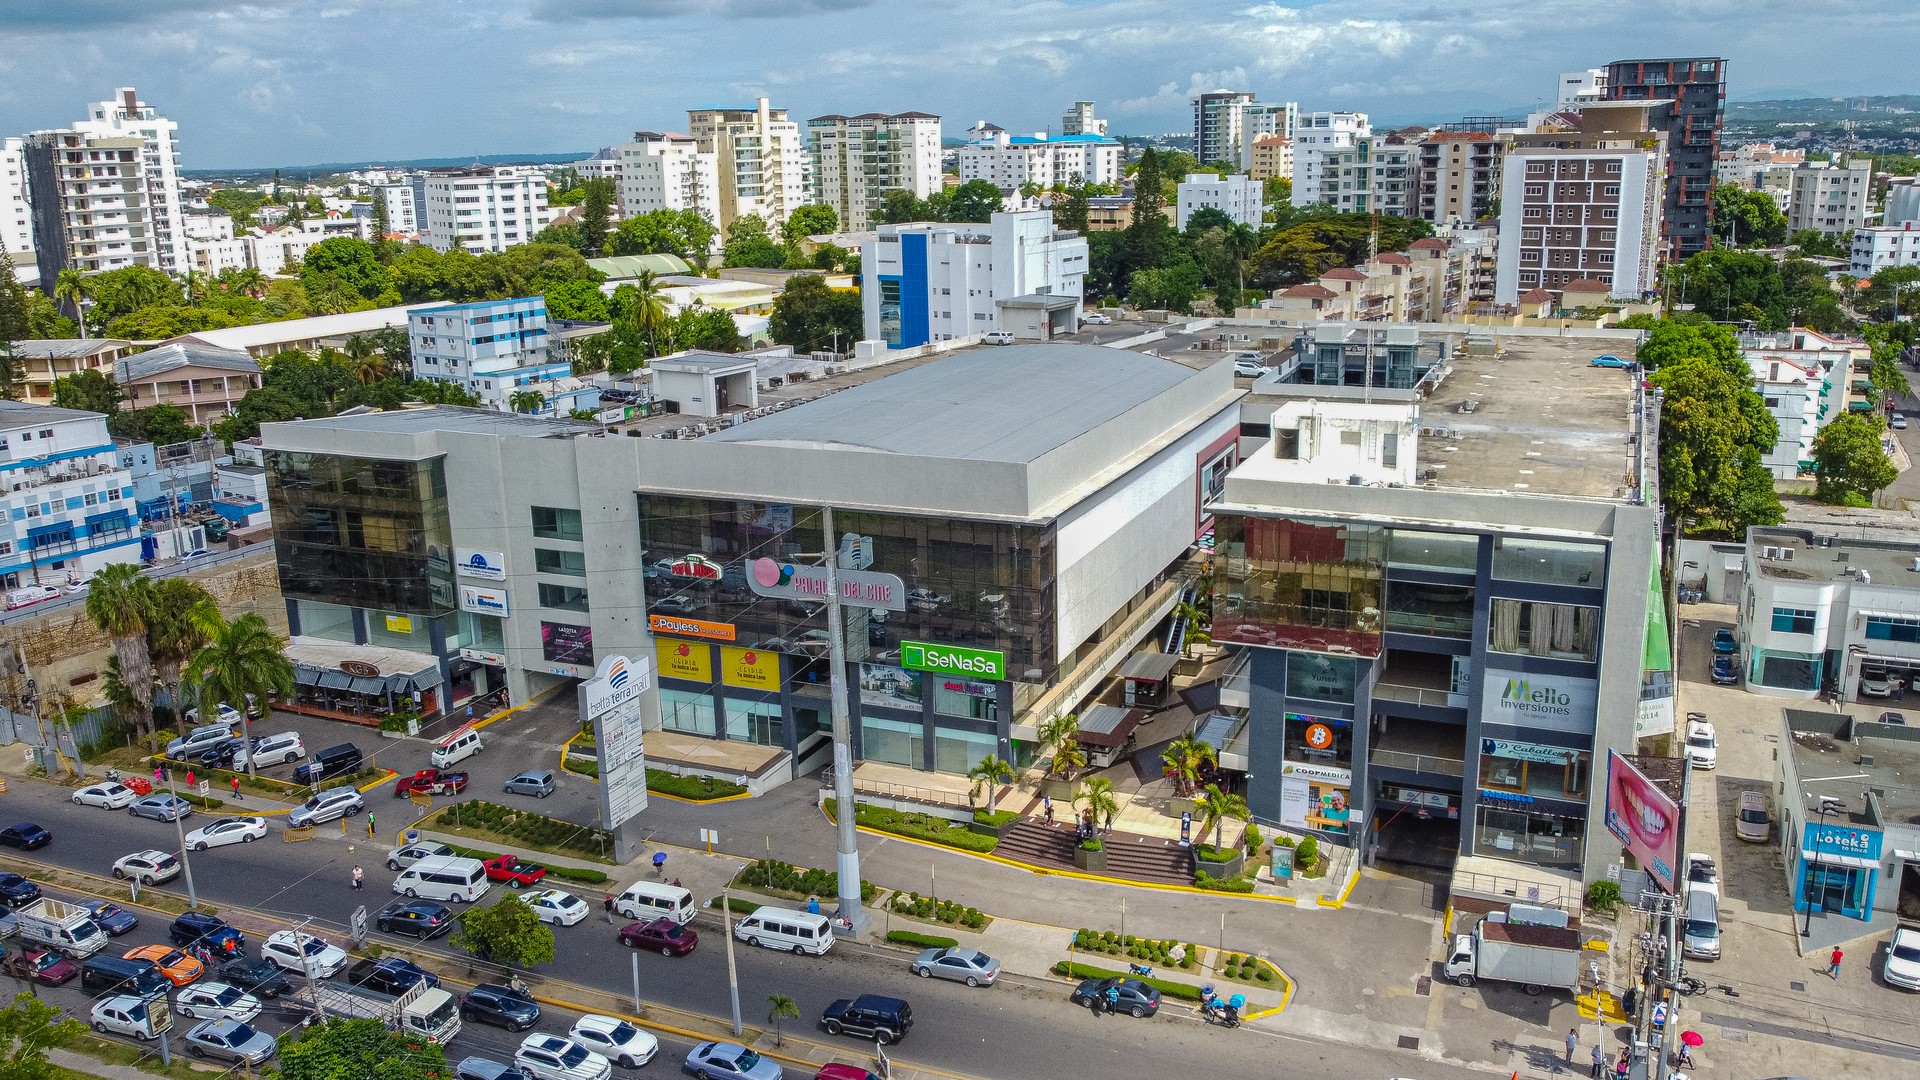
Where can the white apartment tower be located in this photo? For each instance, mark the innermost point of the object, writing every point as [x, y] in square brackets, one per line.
[933, 281]
[1216, 125]
[858, 159]
[1313, 135]
[665, 170]
[1010, 161]
[1265, 120]
[1241, 198]
[1579, 87]
[16, 213]
[485, 209]
[762, 160]
[124, 116]
[1830, 199]
[1079, 120]
[405, 214]
[89, 201]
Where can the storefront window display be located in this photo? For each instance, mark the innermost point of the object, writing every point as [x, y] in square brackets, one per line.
[1316, 797]
[957, 750]
[961, 697]
[1319, 739]
[1514, 827]
[1555, 772]
[888, 687]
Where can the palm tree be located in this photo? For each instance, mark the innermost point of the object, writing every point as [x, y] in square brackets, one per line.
[1193, 617]
[119, 602]
[243, 658]
[246, 279]
[365, 359]
[527, 401]
[990, 773]
[1186, 757]
[184, 618]
[1849, 288]
[196, 286]
[1097, 793]
[1060, 738]
[71, 288]
[780, 1007]
[648, 309]
[1215, 808]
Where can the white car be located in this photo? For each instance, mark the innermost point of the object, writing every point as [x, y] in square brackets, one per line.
[235, 830]
[998, 337]
[1094, 318]
[552, 1057]
[273, 750]
[110, 794]
[1702, 874]
[558, 906]
[1248, 369]
[1902, 968]
[148, 867]
[293, 951]
[217, 1001]
[615, 1039]
[1877, 684]
[1703, 748]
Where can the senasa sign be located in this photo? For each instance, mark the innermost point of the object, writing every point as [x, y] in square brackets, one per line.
[484, 601]
[485, 565]
[617, 681]
[953, 660]
[797, 581]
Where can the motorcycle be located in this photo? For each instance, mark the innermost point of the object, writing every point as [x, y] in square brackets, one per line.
[1141, 970]
[1225, 1012]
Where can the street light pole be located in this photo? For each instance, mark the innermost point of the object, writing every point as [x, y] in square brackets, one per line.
[180, 831]
[733, 973]
[1828, 804]
[848, 862]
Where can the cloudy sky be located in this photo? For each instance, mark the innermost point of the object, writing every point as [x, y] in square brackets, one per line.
[290, 82]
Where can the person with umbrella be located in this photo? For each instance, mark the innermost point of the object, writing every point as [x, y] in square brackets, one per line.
[1688, 1040]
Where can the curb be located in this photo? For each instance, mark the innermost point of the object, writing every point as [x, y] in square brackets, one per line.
[566, 748]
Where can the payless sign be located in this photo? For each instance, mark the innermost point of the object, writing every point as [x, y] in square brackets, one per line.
[953, 660]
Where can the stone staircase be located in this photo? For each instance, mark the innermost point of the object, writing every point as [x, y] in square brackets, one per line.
[1130, 856]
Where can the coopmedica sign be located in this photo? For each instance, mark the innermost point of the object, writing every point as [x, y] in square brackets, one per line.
[1520, 699]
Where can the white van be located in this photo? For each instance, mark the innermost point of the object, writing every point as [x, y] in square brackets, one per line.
[648, 900]
[783, 928]
[459, 746]
[444, 877]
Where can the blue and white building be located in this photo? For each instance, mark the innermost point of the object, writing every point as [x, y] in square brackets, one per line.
[934, 281]
[492, 349]
[1010, 161]
[68, 501]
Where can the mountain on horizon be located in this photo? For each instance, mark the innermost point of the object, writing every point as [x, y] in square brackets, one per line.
[292, 172]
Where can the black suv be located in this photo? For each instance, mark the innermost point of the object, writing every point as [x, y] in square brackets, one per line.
[883, 1019]
[262, 978]
[492, 1003]
[389, 975]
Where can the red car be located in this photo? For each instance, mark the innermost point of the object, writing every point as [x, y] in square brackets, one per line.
[664, 936]
[431, 781]
[510, 869]
[42, 966]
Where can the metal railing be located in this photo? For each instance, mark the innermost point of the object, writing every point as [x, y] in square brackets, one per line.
[1420, 695]
[931, 796]
[1425, 763]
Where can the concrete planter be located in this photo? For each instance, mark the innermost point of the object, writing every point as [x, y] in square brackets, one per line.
[1060, 791]
[1094, 861]
[997, 832]
[1177, 806]
[1229, 867]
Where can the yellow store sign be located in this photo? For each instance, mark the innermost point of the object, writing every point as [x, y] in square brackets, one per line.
[690, 660]
[750, 669]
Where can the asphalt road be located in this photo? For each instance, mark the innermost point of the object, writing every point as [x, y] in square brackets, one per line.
[1018, 1029]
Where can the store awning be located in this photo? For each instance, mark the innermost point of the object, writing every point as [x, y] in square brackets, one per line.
[1216, 729]
[1148, 666]
[335, 680]
[368, 686]
[305, 675]
[361, 669]
[1108, 725]
[1828, 858]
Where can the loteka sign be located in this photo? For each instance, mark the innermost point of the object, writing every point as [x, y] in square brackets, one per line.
[617, 681]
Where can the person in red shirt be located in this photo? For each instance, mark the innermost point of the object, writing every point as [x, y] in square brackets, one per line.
[1833, 963]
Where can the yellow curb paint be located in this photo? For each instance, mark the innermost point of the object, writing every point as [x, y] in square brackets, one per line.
[1341, 901]
[699, 802]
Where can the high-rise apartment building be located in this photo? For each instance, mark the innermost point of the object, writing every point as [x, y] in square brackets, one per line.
[1582, 203]
[934, 281]
[125, 115]
[1011, 161]
[16, 213]
[761, 159]
[1079, 120]
[858, 159]
[1458, 177]
[1830, 199]
[491, 349]
[1697, 89]
[1374, 174]
[490, 208]
[1216, 125]
[1264, 120]
[665, 170]
[406, 206]
[89, 199]
[1314, 135]
[1269, 157]
[1239, 197]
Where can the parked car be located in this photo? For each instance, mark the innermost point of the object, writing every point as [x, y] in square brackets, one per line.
[431, 781]
[479, 1068]
[199, 740]
[233, 830]
[1898, 719]
[729, 1061]
[217, 1001]
[1723, 641]
[1137, 999]
[510, 869]
[1703, 748]
[149, 867]
[330, 805]
[403, 857]
[538, 783]
[16, 890]
[230, 1040]
[884, 1020]
[260, 977]
[275, 750]
[200, 928]
[499, 1005]
[970, 966]
[422, 919]
[1608, 360]
[161, 807]
[1724, 673]
[25, 835]
[1902, 968]
[297, 952]
[223, 754]
[552, 1057]
[393, 975]
[1755, 823]
[1095, 318]
[1877, 684]
[997, 337]
[1248, 369]
[179, 968]
[558, 907]
[111, 795]
[663, 935]
[615, 1039]
[110, 917]
[1701, 873]
[1898, 421]
[43, 966]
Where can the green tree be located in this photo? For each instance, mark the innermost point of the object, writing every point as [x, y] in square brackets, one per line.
[28, 1029]
[698, 327]
[1098, 794]
[1188, 758]
[900, 207]
[239, 204]
[685, 233]
[261, 405]
[581, 300]
[1060, 742]
[640, 312]
[119, 602]
[13, 373]
[1813, 243]
[1277, 191]
[1713, 431]
[1173, 288]
[184, 617]
[526, 401]
[975, 200]
[1215, 808]
[351, 261]
[237, 660]
[161, 425]
[89, 390]
[1070, 207]
[1850, 462]
[808, 316]
[596, 211]
[780, 1007]
[814, 219]
[1743, 217]
[1891, 291]
[364, 358]
[565, 233]
[750, 244]
[166, 321]
[507, 933]
[120, 292]
[988, 774]
[1669, 342]
[72, 289]
[343, 1049]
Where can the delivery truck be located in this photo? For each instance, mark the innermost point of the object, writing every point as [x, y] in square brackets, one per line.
[423, 1012]
[64, 928]
[1535, 957]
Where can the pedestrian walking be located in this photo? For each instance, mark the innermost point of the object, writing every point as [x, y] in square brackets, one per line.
[190, 783]
[159, 774]
[607, 906]
[358, 874]
[1599, 1061]
[1046, 807]
[237, 797]
[813, 905]
[1630, 1001]
[1624, 1066]
[1573, 1043]
[1833, 963]
[369, 824]
[1109, 821]
[659, 864]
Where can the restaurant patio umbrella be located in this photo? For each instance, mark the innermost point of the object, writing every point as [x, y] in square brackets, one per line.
[1692, 1038]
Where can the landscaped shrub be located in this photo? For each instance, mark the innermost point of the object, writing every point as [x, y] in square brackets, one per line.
[1184, 991]
[535, 830]
[1307, 856]
[920, 941]
[1152, 951]
[937, 830]
[691, 787]
[772, 875]
[1253, 839]
[943, 911]
[996, 819]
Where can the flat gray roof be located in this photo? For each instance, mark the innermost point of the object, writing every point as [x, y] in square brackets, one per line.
[183, 353]
[1840, 552]
[1012, 404]
[433, 419]
[67, 348]
[1844, 755]
[20, 413]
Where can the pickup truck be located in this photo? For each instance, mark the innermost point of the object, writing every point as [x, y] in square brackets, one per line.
[510, 869]
[422, 1012]
[431, 781]
[390, 975]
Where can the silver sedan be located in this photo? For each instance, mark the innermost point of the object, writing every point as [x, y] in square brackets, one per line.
[970, 966]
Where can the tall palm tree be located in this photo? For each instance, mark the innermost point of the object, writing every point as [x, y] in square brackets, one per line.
[195, 283]
[365, 359]
[119, 602]
[990, 773]
[71, 288]
[1097, 794]
[246, 279]
[649, 311]
[1060, 737]
[527, 401]
[1215, 808]
[780, 1007]
[242, 658]
[1185, 757]
[184, 618]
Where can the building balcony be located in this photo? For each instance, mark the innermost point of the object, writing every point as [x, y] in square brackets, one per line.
[1420, 746]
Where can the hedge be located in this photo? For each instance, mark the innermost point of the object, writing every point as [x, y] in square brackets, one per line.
[1179, 990]
[944, 911]
[738, 905]
[585, 766]
[697, 788]
[1204, 880]
[535, 830]
[1139, 948]
[934, 830]
[564, 873]
[920, 941]
[772, 875]
[997, 819]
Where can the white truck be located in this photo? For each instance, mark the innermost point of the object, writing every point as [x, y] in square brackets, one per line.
[424, 1012]
[64, 928]
[1536, 957]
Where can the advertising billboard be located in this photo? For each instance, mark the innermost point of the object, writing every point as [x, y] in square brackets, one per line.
[485, 565]
[1644, 819]
[1531, 700]
[612, 702]
[484, 601]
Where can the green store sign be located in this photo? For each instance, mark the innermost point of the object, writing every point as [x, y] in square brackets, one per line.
[953, 660]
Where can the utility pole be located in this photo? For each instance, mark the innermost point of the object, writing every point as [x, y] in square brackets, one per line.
[180, 831]
[733, 973]
[848, 863]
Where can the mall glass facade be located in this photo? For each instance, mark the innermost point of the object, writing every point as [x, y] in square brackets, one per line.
[362, 532]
